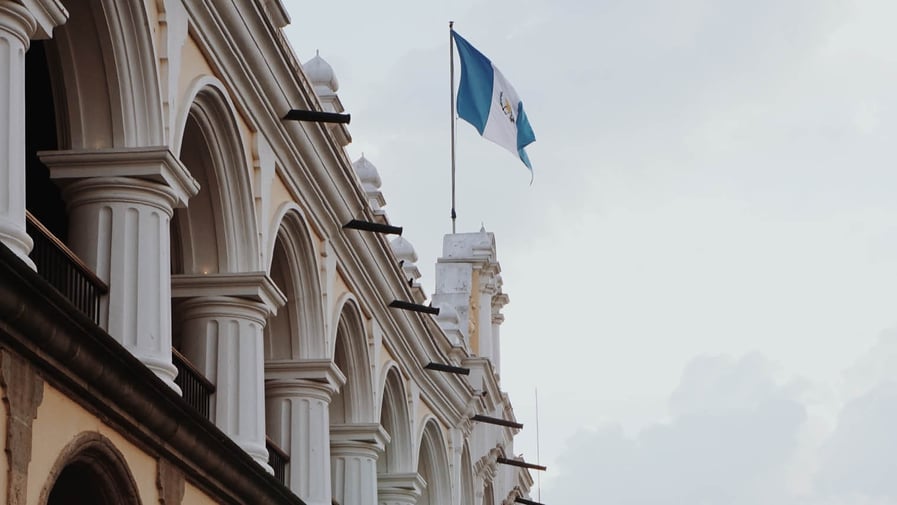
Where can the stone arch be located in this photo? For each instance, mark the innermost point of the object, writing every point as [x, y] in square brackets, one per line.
[107, 58]
[90, 465]
[297, 331]
[216, 233]
[354, 403]
[433, 465]
[398, 457]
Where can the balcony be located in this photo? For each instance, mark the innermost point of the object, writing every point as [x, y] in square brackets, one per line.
[195, 388]
[59, 266]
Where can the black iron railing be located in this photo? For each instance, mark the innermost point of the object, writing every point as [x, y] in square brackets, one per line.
[278, 460]
[64, 270]
[195, 388]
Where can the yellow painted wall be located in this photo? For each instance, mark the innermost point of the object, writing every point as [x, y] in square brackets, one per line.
[279, 196]
[340, 286]
[193, 496]
[152, 12]
[385, 358]
[4, 461]
[424, 411]
[51, 436]
[194, 65]
[473, 320]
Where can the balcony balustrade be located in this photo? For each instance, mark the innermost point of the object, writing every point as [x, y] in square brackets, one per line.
[278, 459]
[196, 389]
[64, 270]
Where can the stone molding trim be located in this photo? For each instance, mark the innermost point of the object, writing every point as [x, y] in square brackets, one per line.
[23, 391]
[170, 483]
[98, 453]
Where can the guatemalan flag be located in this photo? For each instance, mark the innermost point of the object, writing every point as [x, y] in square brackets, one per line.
[488, 102]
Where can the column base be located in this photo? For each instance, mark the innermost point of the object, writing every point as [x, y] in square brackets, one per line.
[20, 245]
[162, 368]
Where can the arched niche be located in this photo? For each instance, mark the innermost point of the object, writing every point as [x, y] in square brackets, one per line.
[398, 457]
[216, 233]
[107, 58]
[297, 331]
[90, 469]
[353, 403]
[433, 466]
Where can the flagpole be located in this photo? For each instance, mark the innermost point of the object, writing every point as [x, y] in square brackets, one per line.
[452, 89]
[538, 456]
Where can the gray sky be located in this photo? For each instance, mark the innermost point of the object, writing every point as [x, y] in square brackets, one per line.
[703, 274]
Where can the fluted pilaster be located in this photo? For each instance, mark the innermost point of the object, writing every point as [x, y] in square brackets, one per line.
[298, 418]
[354, 449]
[222, 337]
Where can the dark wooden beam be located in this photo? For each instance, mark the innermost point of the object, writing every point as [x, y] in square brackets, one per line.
[494, 420]
[522, 464]
[315, 116]
[357, 224]
[448, 368]
[414, 307]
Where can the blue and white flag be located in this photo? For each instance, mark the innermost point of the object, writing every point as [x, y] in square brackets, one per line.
[488, 102]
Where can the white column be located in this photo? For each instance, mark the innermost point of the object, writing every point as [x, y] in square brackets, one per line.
[498, 302]
[16, 27]
[298, 418]
[120, 204]
[354, 449]
[222, 337]
[119, 228]
[399, 489]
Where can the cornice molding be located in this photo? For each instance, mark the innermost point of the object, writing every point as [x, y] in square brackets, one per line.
[318, 371]
[371, 433]
[255, 286]
[154, 164]
[48, 14]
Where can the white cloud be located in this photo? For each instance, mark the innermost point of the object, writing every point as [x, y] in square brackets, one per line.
[739, 434]
[733, 430]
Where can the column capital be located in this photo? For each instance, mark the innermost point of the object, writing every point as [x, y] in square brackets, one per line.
[407, 481]
[17, 20]
[321, 372]
[366, 437]
[499, 300]
[400, 488]
[153, 164]
[279, 388]
[227, 307]
[48, 14]
[253, 286]
[123, 190]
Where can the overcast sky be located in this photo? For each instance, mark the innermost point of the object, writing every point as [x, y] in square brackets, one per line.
[703, 275]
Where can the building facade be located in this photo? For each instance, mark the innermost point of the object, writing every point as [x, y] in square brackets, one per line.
[184, 317]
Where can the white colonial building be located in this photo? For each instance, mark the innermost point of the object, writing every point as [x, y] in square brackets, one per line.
[185, 316]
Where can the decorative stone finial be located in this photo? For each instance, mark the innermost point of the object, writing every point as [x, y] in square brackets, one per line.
[405, 252]
[321, 75]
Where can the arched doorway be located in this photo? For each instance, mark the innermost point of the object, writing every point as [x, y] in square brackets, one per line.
[91, 471]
